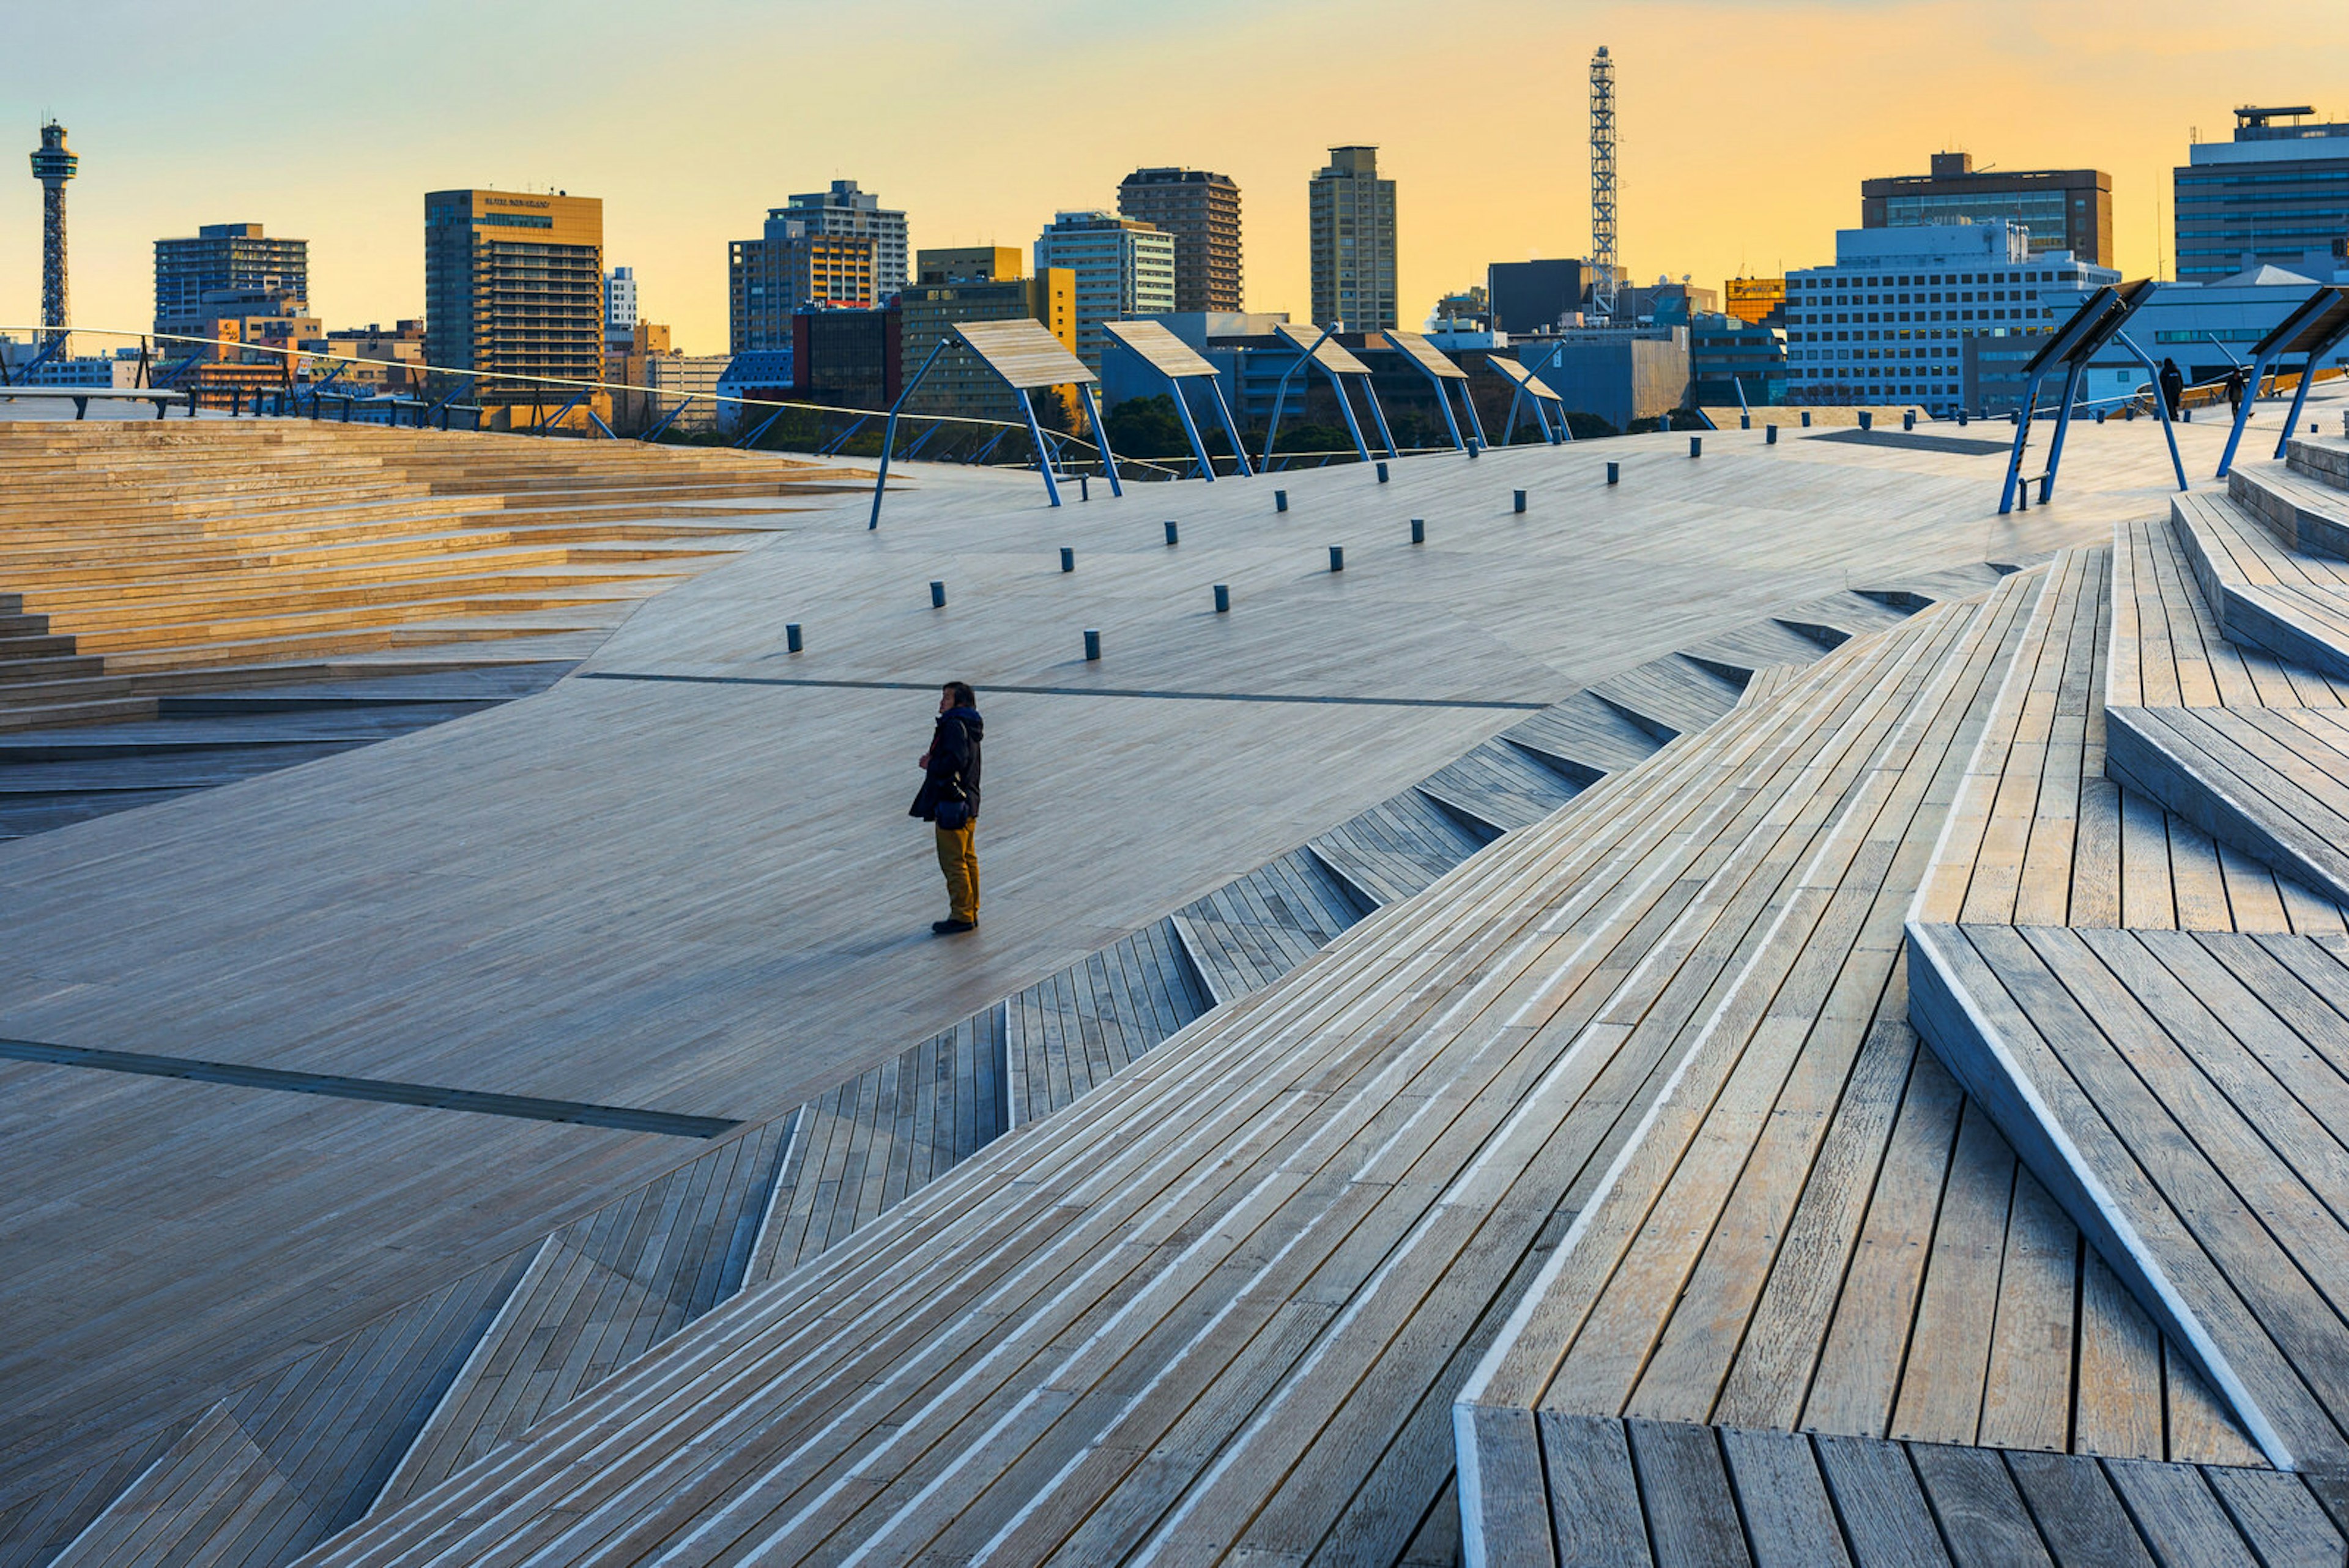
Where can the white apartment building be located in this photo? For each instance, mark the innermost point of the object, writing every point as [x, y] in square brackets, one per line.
[1887, 323]
[619, 303]
[1124, 268]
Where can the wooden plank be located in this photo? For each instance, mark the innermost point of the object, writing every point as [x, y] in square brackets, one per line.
[1940, 1398]
[2275, 1513]
[2176, 1513]
[1596, 1519]
[1691, 1512]
[2079, 1517]
[1881, 1505]
[1790, 1522]
[1982, 1515]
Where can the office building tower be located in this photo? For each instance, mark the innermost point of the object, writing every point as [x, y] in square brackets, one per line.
[1350, 215]
[2275, 193]
[792, 267]
[2064, 209]
[228, 270]
[1202, 211]
[1889, 320]
[1533, 295]
[1121, 267]
[619, 304]
[1758, 301]
[846, 210]
[514, 285]
[53, 165]
[976, 283]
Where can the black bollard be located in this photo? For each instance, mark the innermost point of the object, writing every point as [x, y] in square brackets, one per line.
[1223, 598]
[1806, 419]
[1169, 533]
[1068, 559]
[1337, 557]
[937, 595]
[1614, 473]
[1867, 420]
[1419, 530]
[1746, 421]
[1382, 473]
[1696, 446]
[1084, 491]
[1908, 418]
[1281, 501]
[1092, 645]
[1520, 502]
[791, 637]
[1770, 436]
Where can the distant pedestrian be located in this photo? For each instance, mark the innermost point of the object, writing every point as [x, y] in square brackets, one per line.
[2173, 387]
[2235, 390]
[949, 802]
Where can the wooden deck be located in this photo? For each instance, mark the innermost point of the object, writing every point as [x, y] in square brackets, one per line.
[1562, 740]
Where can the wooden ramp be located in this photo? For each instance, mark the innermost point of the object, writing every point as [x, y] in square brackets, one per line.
[1219, 1306]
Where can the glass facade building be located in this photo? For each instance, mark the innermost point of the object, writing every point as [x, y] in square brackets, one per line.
[2064, 209]
[1350, 217]
[227, 268]
[513, 283]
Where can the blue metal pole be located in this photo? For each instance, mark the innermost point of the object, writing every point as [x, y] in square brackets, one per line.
[2243, 412]
[989, 450]
[661, 428]
[1346, 406]
[1371, 396]
[2161, 404]
[1043, 453]
[2063, 424]
[1468, 407]
[2300, 394]
[2022, 434]
[764, 425]
[1231, 428]
[1280, 398]
[1190, 430]
[881, 479]
[1565, 431]
[1101, 434]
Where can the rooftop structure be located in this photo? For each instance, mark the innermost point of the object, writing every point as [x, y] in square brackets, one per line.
[982, 283]
[1351, 232]
[802, 260]
[619, 304]
[2064, 209]
[1605, 264]
[1788, 1034]
[53, 165]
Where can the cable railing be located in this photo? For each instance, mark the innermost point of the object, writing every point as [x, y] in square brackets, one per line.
[306, 385]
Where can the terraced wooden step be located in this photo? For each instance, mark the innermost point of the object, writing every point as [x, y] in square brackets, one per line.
[171, 603]
[2302, 514]
[2291, 604]
[2322, 460]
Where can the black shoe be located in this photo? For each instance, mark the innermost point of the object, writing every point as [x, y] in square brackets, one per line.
[953, 928]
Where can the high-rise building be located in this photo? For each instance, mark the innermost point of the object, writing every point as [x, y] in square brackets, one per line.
[2275, 193]
[1351, 213]
[229, 269]
[619, 304]
[2064, 209]
[53, 165]
[513, 285]
[1888, 322]
[1202, 211]
[845, 210]
[976, 283]
[793, 266]
[1121, 267]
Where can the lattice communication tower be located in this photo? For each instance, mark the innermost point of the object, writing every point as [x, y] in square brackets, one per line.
[1602, 183]
[53, 165]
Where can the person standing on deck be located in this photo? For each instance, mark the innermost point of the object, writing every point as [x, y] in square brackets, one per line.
[2235, 390]
[949, 801]
[2173, 386]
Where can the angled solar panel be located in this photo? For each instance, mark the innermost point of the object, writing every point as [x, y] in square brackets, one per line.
[1332, 355]
[1426, 355]
[1023, 353]
[2312, 325]
[1517, 373]
[1159, 348]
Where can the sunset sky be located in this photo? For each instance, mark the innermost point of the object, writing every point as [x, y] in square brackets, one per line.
[1746, 125]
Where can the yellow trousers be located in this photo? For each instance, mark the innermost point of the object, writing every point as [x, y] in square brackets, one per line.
[959, 858]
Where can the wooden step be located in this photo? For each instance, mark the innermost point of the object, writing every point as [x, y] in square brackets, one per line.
[2291, 605]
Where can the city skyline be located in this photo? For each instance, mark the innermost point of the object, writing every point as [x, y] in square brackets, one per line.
[1715, 182]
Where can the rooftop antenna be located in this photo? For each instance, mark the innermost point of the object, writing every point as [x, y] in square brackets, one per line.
[1602, 185]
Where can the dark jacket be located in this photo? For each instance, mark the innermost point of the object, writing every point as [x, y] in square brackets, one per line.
[954, 764]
